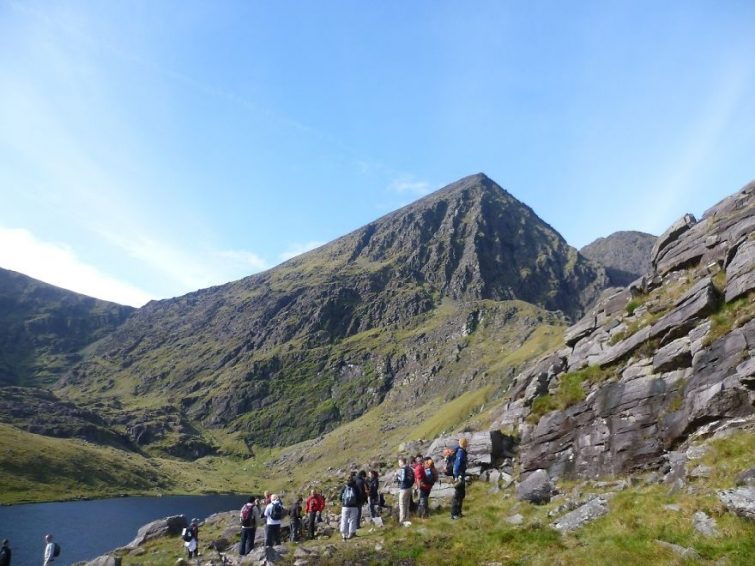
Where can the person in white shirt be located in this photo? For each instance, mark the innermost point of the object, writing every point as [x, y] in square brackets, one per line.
[49, 550]
[273, 515]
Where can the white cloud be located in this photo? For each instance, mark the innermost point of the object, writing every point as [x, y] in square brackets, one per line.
[407, 185]
[244, 259]
[296, 248]
[57, 264]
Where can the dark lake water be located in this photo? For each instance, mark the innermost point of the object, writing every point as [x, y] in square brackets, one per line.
[87, 529]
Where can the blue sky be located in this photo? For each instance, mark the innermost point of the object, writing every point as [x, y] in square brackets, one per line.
[148, 149]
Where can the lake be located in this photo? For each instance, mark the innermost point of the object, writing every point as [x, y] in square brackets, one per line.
[87, 529]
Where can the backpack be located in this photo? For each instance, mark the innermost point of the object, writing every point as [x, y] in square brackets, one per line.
[187, 535]
[349, 497]
[246, 515]
[449, 457]
[407, 478]
[276, 513]
[55, 550]
[430, 476]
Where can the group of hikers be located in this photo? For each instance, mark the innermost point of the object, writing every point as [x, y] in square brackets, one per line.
[360, 489]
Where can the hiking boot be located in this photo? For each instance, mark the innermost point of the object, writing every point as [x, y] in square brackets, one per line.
[454, 517]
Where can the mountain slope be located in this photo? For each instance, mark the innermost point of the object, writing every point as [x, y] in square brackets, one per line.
[625, 255]
[287, 354]
[42, 328]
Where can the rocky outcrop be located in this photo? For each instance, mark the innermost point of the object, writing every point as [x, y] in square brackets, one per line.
[156, 529]
[593, 509]
[654, 371]
[740, 501]
[536, 488]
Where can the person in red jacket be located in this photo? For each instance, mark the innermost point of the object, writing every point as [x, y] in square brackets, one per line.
[315, 504]
[429, 475]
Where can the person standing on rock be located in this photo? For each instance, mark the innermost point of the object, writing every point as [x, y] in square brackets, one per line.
[49, 550]
[373, 493]
[425, 483]
[5, 553]
[361, 481]
[459, 478]
[248, 517]
[405, 481]
[295, 514]
[273, 515]
[349, 508]
[312, 505]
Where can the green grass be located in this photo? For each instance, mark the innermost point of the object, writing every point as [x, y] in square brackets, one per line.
[729, 316]
[572, 389]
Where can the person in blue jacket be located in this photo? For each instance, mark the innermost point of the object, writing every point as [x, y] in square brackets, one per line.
[459, 477]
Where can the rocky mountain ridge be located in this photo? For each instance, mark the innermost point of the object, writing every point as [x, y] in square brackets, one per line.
[290, 353]
[43, 328]
[625, 255]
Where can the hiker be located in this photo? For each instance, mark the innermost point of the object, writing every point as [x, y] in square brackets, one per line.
[361, 482]
[349, 508]
[418, 468]
[405, 480]
[273, 515]
[311, 506]
[190, 535]
[5, 553]
[428, 477]
[373, 486]
[52, 550]
[321, 503]
[459, 478]
[295, 514]
[248, 517]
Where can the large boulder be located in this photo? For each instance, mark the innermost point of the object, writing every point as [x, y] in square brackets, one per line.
[588, 512]
[484, 449]
[536, 488]
[160, 528]
[740, 501]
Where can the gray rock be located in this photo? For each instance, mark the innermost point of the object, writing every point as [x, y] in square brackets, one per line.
[696, 303]
[671, 235]
[681, 551]
[156, 529]
[106, 560]
[484, 448]
[740, 272]
[582, 329]
[740, 501]
[673, 507]
[505, 480]
[494, 476]
[536, 488]
[746, 478]
[588, 512]
[704, 525]
[700, 471]
[674, 355]
[517, 519]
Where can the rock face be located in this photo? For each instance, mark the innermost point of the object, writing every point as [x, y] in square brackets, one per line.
[651, 368]
[625, 255]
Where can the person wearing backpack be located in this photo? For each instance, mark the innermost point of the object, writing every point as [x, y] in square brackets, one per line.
[459, 478]
[425, 482]
[5, 553]
[311, 506]
[349, 508]
[405, 480]
[274, 516]
[248, 517]
[52, 550]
